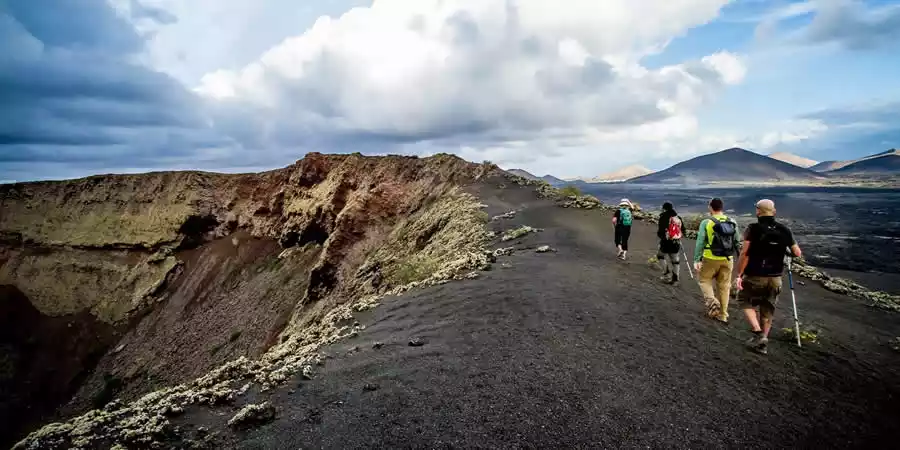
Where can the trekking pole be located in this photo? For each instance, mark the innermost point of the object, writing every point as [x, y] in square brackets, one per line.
[688, 263]
[794, 301]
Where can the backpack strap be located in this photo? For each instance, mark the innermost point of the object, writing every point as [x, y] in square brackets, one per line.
[707, 245]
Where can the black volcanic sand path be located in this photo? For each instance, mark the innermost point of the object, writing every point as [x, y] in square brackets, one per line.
[575, 349]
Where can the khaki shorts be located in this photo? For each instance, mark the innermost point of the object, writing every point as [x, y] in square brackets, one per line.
[761, 292]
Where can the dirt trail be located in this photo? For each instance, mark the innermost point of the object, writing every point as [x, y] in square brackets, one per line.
[574, 349]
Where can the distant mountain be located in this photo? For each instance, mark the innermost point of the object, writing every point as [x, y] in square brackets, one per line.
[791, 158]
[734, 164]
[552, 180]
[827, 166]
[523, 174]
[832, 166]
[623, 174]
[530, 176]
[884, 163]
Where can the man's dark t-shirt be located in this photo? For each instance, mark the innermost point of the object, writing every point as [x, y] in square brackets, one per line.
[769, 240]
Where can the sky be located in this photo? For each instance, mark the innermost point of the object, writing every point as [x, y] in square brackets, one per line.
[569, 87]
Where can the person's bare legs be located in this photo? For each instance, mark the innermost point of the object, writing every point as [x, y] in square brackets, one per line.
[752, 318]
[766, 313]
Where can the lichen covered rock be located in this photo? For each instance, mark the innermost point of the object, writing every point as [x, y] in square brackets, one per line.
[252, 415]
[843, 286]
[517, 233]
[583, 202]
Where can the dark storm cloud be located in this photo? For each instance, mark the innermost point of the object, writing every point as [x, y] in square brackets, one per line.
[81, 24]
[69, 94]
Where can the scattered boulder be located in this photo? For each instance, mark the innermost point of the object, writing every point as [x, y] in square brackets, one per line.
[582, 202]
[252, 415]
[506, 215]
[517, 233]
[895, 344]
[843, 286]
[543, 188]
[545, 249]
[369, 387]
[416, 342]
[507, 251]
[378, 345]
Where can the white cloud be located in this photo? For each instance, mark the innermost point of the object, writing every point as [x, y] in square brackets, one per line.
[792, 132]
[474, 76]
[222, 34]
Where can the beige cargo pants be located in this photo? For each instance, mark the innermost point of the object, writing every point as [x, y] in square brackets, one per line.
[715, 275]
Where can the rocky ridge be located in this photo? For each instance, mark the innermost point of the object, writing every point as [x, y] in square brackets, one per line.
[348, 230]
[438, 239]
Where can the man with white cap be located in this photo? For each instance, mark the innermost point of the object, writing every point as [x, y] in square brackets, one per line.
[760, 271]
[622, 222]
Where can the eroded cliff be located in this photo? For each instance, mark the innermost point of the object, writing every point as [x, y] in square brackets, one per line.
[159, 278]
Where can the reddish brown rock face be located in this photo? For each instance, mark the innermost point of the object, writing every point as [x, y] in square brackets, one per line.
[173, 273]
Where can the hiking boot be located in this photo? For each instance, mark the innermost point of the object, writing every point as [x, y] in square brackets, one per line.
[758, 343]
[753, 342]
[666, 278]
[763, 346]
[674, 279]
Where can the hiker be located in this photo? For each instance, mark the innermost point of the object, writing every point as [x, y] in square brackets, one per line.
[622, 222]
[760, 271]
[714, 259]
[670, 232]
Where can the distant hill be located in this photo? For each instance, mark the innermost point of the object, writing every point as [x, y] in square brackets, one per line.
[734, 164]
[833, 166]
[791, 158]
[623, 174]
[827, 166]
[885, 164]
[528, 175]
[523, 174]
[552, 180]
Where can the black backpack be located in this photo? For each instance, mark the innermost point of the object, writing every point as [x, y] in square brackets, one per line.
[724, 241]
[768, 251]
